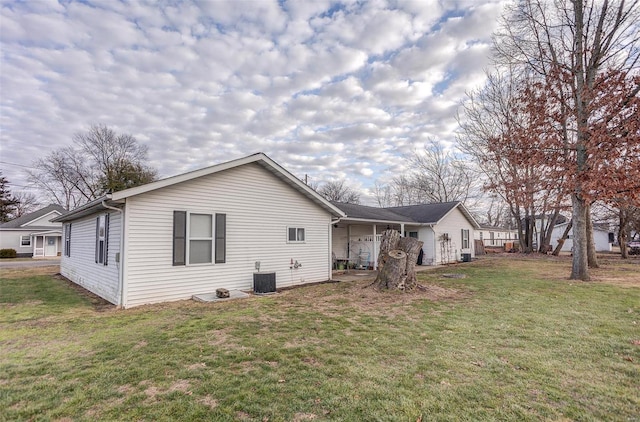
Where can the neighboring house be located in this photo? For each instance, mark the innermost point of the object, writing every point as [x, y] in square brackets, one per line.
[601, 237]
[33, 234]
[495, 236]
[447, 230]
[199, 231]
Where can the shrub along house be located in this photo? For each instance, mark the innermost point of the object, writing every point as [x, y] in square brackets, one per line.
[199, 231]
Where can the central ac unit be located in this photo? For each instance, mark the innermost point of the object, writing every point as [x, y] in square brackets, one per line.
[264, 283]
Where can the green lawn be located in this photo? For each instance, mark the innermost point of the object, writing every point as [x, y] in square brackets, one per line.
[513, 340]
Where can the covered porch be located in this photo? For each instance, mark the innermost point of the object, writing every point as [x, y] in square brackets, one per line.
[47, 244]
[356, 243]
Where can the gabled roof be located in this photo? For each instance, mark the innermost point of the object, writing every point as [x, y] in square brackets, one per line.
[366, 213]
[428, 214]
[18, 223]
[433, 213]
[259, 158]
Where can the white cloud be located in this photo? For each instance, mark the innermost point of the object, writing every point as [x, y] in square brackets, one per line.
[332, 90]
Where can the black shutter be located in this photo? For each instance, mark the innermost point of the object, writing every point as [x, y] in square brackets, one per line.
[106, 239]
[221, 239]
[97, 238]
[179, 237]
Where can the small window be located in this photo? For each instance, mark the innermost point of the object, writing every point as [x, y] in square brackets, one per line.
[25, 240]
[296, 234]
[413, 235]
[465, 239]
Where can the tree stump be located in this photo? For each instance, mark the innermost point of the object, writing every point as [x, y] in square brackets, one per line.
[393, 274]
[389, 241]
[412, 248]
[397, 262]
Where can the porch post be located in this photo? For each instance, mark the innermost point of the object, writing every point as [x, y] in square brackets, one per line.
[375, 248]
[348, 244]
[402, 230]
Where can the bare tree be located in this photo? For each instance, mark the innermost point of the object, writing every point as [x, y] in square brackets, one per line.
[494, 119]
[338, 191]
[440, 175]
[569, 44]
[100, 161]
[27, 202]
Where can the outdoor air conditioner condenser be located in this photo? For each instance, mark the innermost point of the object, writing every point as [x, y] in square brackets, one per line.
[264, 283]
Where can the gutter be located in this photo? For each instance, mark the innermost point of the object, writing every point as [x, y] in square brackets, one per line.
[120, 261]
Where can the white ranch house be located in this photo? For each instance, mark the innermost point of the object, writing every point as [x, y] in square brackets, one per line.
[447, 230]
[193, 233]
[196, 232]
[34, 234]
[601, 237]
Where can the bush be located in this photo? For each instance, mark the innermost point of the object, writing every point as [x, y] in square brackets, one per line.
[8, 253]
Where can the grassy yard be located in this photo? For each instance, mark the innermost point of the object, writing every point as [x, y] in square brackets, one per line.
[513, 340]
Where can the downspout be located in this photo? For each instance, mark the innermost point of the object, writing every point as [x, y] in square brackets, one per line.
[120, 262]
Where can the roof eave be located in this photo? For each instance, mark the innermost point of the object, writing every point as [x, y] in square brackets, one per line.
[84, 210]
[375, 220]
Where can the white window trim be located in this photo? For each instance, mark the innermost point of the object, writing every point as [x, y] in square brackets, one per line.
[188, 239]
[296, 228]
[22, 237]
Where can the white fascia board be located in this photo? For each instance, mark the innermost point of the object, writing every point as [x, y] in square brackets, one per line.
[371, 221]
[49, 213]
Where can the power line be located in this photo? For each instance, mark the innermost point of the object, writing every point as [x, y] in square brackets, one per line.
[15, 164]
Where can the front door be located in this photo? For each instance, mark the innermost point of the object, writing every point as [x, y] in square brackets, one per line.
[50, 247]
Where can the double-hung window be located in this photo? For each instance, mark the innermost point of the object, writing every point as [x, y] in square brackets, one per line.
[102, 239]
[465, 238]
[25, 240]
[198, 238]
[295, 234]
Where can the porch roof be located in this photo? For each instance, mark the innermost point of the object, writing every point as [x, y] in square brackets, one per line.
[419, 215]
[368, 214]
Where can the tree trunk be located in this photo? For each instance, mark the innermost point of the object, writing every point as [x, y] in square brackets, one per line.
[622, 232]
[545, 241]
[397, 261]
[393, 273]
[563, 239]
[389, 242]
[412, 248]
[579, 268]
[592, 257]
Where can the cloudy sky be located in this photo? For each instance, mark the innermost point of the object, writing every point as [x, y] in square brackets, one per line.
[332, 90]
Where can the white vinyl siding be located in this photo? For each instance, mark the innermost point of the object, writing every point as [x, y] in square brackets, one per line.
[452, 224]
[81, 267]
[12, 239]
[259, 208]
